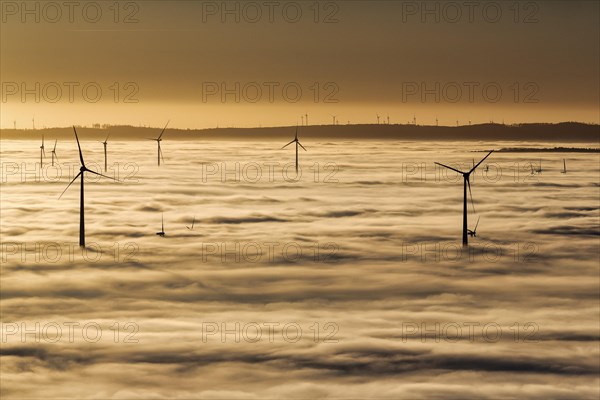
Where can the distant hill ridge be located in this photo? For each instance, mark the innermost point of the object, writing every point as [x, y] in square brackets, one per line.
[561, 132]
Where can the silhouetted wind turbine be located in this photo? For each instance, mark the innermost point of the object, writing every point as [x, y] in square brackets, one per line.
[378, 119]
[158, 140]
[82, 170]
[105, 143]
[564, 171]
[473, 233]
[467, 184]
[306, 115]
[54, 152]
[192, 227]
[42, 152]
[297, 144]
[162, 226]
[388, 119]
[334, 117]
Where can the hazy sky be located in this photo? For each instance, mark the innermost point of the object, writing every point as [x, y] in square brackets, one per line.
[193, 63]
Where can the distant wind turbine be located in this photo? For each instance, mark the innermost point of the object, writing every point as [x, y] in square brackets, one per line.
[162, 226]
[81, 173]
[388, 119]
[306, 115]
[564, 171]
[467, 184]
[158, 140]
[54, 153]
[473, 233]
[191, 228]
[378, 119]
[42, 152]
[297, 144]
[334, 117]
[33, 122]
[105, 143]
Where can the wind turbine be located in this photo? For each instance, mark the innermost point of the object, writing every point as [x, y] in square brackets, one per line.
[192, 227]
[54, 153]
[473, 233]
[33, 122]
[302, 116]
[306, 115]
[564, 171]
[334, 117]
[388, 119]
[297, 144]
[377, 119]
[415, 120]
[467, 184]
[105, 143]
[162, 226]
[81, 173]
[158, 140]
[42, 152]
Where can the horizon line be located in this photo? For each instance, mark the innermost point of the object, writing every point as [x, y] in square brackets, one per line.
[107, 126]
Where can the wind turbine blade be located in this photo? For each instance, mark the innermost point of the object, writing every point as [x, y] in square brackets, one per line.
[453, 169]
[160, 152]
[151, 139]
[163, 131]
[471, 194]
[104, 176]
[300, 144]
[288, 144]
[162, 222]
[56, 141]
[475, 167]
[107, 136]
[476, 225]
[74, 179]
[79, 147]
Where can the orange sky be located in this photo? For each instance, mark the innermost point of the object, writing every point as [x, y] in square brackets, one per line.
[193, 63]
